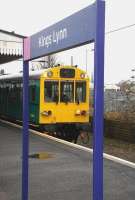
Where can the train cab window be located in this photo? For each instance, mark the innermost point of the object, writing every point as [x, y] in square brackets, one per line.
[51, 91]
[67, 91]
[80, 91]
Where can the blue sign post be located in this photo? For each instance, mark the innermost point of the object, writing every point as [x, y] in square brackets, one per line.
[81, 28]
[25, 135]
[98, 103]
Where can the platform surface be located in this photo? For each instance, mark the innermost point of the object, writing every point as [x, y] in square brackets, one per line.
[66, 174]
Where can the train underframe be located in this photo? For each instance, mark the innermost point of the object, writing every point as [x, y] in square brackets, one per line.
[66, 131]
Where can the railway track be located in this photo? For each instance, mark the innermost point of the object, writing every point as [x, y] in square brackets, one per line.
[113, 129]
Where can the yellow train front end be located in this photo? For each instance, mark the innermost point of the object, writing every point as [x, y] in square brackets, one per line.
[64, 98]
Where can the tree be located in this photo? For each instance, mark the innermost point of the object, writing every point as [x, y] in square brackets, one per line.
[52, 60]
[44, 62]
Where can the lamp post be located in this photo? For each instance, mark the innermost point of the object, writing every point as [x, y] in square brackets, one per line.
[86, 57]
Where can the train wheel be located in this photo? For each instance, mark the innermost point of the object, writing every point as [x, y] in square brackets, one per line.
[41, 128]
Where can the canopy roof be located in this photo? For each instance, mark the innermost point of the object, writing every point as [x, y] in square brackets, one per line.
[11, 46]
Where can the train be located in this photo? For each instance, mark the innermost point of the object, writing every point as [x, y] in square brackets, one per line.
[58, 100]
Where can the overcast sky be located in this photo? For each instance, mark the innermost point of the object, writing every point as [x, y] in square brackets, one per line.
[26, 17]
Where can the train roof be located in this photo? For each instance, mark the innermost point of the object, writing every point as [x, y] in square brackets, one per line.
[33, 74]
[20, 75]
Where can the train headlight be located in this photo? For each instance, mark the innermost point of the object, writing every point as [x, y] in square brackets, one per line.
[46, 113]
[82, 75]
[49, 74]
[78, 112]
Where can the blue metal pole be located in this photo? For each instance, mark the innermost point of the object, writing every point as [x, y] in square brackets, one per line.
[98, 102]
[25, 134]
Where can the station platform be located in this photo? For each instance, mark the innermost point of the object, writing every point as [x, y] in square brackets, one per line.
[66, 173]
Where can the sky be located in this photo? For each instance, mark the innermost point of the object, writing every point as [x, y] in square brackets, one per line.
[27, 17]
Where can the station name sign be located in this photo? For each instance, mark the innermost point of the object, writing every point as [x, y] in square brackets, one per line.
[76, 30]
[54, 38]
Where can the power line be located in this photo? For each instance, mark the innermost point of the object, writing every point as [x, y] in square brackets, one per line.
[121, 28]
[108, 32]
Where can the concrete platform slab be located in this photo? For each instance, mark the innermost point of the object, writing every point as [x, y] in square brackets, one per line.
[67, 174]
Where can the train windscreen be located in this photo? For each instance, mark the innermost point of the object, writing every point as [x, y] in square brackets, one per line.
[51, 91]
[80, 91]
[67, 91]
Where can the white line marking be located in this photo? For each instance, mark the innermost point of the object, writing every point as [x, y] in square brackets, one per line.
[107, 156]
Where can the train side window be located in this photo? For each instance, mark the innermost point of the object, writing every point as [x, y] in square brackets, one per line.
[80, 91]
[67, 91]
[33, 93]
[51, 92]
